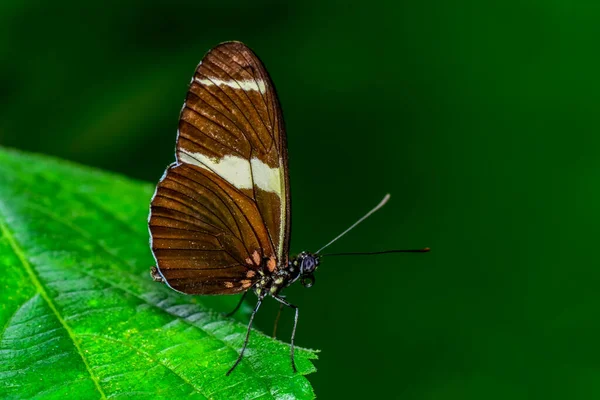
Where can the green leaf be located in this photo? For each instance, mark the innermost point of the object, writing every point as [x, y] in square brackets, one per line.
[81, 317]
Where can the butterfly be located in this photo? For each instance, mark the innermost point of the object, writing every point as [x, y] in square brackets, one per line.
[220, 216]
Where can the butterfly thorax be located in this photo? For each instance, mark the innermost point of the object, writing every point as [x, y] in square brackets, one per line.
[302, 266]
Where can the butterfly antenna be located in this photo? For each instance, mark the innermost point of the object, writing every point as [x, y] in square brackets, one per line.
[370, 253]
[367, 215]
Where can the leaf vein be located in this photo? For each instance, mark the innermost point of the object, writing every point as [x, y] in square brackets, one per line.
[147, 355]
[42, 291]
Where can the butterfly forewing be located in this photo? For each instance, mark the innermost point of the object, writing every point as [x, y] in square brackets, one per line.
[223, 208]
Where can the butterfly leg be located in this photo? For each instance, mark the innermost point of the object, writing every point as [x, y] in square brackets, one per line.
[156, 277]
[247, 337]
[277, 320]
[285, 303]
[239, 304]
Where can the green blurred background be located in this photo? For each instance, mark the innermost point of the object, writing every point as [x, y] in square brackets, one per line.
[481, 119]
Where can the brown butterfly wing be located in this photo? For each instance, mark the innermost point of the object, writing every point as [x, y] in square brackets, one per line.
[222, 209]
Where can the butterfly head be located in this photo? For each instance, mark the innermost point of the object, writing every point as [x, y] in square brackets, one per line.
[308, 263]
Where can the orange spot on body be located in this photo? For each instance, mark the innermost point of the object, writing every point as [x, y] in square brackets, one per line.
[228, 284]
[250, 274]
[256, 257]
[271, 264]
[249, 261]
[246, 283]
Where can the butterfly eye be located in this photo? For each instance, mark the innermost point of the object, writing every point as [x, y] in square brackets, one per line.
[308, 265]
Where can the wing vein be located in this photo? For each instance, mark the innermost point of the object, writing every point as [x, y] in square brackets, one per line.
[190, 138]
[247, 96]
[218, 100]
[239, 109]
[208, 209]
[226, 205]
[240, 209]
